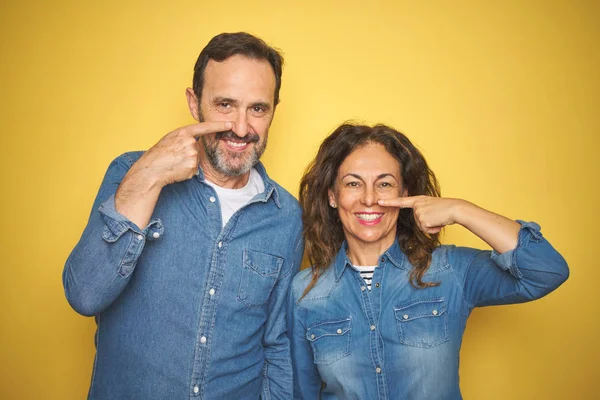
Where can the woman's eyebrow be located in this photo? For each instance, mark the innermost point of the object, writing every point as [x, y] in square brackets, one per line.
[386, 175]
[353, 175]
[380, 176]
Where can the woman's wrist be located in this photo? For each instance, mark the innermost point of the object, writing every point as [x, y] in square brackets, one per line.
[462, 211]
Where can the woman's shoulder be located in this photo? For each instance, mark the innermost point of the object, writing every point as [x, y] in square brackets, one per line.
[320, 290]
[450, 256]
[301, 280]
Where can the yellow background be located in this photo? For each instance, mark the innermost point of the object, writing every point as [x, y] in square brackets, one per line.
[501, 96]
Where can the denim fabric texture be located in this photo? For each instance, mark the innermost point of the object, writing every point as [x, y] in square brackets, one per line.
[186, 308]
[399, 342]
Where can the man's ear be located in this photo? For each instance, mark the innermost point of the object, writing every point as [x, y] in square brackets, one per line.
[193, 103]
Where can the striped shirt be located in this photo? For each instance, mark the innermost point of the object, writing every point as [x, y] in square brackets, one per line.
[366, 273]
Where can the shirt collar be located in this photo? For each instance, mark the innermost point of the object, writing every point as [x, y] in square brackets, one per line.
[393, 254]
[270, 186]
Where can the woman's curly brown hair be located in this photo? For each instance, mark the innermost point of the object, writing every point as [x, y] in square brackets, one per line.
[323, 231]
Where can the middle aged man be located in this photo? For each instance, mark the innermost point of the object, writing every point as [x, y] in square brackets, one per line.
[190, 247]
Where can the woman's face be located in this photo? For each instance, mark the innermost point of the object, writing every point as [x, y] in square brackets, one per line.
[368, 174]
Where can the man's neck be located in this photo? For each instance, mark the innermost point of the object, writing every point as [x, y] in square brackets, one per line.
[224, 181]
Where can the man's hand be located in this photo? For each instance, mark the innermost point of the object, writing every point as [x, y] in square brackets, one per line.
[174, 158]
[431, 213]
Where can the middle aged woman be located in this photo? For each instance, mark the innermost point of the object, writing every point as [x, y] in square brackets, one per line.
[381, 312]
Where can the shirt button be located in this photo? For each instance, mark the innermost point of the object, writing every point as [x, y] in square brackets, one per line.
[378, 370]
[382, 259]
[196, 389]
[140, 237]
[405, 316]
[212, 199]
[220, 244]
[156, 235]
[203, 339]
[211, 291]
[363, 288]
[372, 327]
[312, 336]
[377, 284]
[339, 331]
[435, 312]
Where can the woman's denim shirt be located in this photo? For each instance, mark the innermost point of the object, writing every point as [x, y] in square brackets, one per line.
[399, 342]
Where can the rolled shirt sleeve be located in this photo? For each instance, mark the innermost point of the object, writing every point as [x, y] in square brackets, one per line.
[530, 271]
[100, 265]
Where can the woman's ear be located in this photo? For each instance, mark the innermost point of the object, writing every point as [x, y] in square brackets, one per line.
[331, 196]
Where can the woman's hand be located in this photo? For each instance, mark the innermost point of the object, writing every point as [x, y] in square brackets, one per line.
[431, 213]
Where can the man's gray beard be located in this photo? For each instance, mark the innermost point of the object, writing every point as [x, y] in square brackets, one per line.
[217, 157]
[218, 160]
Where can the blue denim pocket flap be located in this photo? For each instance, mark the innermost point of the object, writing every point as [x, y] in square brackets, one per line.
[422, 323]
[258, 277]
[330, 340]
[420, 309]
[263, 264]
[328, 328]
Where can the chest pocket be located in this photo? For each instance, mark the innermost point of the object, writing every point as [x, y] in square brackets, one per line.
[258, 277]
[330, 340]
[422, 323]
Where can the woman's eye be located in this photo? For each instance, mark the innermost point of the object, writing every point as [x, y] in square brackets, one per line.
[352, 184]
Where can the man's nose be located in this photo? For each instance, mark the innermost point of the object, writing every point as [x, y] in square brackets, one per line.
[241, 124]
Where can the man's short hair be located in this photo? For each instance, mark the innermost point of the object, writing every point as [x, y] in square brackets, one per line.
[225, 45]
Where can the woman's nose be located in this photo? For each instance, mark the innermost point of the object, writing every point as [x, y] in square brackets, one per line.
[369, 197]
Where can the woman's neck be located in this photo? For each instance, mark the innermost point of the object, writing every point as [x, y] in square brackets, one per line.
[364, 254]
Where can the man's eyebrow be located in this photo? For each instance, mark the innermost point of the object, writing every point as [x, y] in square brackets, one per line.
[262, 104]
[220, 99]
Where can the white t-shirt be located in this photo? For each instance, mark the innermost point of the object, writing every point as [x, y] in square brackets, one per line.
[233, 199]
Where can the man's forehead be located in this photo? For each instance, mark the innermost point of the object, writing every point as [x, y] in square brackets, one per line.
[241, 75]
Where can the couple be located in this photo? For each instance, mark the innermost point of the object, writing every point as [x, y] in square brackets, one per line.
[189, 261]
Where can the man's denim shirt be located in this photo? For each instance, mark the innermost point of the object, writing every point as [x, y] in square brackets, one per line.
[185, 308]
[398, 342]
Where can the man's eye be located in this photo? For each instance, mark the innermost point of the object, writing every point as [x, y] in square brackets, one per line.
[224, 105]
[258, 109]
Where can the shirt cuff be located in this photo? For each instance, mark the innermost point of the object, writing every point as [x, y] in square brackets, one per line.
[508, 260]
[117, 224]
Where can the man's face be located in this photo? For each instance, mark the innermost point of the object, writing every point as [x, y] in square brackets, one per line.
[240, 90]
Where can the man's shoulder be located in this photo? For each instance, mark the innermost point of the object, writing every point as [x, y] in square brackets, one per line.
[129, 158]
[285, 195]
[123, 162]
[287, 200]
